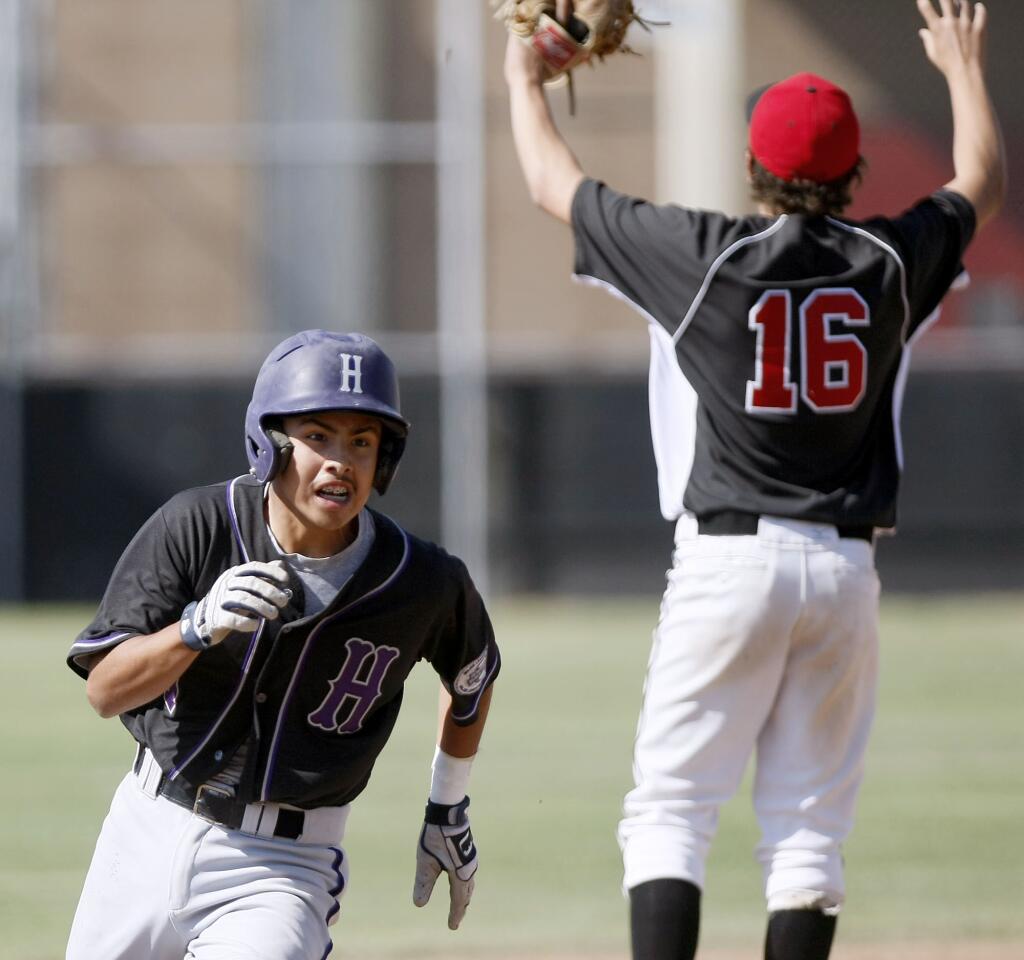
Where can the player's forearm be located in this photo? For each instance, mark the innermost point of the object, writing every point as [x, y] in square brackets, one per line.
[456, 749]
[137, 671]
[978, 154]
[550, 168]
[461, 741]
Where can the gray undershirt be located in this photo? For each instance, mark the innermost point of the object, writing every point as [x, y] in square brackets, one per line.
[323, 577]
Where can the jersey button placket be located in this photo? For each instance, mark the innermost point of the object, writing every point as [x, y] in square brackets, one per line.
[261, 697]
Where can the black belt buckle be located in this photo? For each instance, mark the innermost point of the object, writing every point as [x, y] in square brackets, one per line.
[218, 806]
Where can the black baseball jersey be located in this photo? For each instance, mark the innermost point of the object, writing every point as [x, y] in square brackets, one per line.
[315, 697]
[779, 345]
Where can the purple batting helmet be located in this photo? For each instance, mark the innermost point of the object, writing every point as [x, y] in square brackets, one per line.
[319, 370]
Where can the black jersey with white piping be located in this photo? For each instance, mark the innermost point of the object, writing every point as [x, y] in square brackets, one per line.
[779, 345]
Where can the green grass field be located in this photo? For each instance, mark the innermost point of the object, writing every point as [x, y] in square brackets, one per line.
[938, 853]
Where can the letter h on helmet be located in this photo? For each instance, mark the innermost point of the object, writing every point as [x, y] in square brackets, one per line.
[319, 370]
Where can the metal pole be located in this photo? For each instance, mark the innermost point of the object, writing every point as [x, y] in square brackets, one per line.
[324, 224]
[11, 380]
[699, 98]
[462, 354]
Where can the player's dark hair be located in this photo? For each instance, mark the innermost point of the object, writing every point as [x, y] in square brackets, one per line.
[804, 196]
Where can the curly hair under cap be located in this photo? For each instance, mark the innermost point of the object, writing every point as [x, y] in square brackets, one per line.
[804, 197]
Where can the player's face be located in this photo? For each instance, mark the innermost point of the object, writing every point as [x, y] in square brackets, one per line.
[327, 480]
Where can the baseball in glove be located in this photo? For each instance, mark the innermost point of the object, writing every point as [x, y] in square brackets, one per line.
[596, 28]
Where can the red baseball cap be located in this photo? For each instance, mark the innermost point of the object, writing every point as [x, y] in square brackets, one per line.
[804, 128]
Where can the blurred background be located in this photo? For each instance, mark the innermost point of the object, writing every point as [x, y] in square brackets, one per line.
[184, 184]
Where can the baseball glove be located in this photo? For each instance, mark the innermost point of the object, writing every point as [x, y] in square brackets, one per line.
[596, 29]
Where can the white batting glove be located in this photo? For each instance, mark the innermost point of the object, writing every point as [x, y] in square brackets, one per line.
[238, 599]
[446, 844]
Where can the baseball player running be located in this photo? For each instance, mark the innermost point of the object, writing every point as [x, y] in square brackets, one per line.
[779, 350]
[254, 639]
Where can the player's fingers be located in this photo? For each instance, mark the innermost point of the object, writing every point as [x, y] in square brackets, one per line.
[258, 587]
[980, 20]
[237, 623]
[249, 605]
[276, 570]
[254, 598]
[979, 34]
[462, 892]
[252, 608]
[946, 6]
[427, 872]
[927, 10]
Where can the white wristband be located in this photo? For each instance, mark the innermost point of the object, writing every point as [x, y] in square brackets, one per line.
[449, 780]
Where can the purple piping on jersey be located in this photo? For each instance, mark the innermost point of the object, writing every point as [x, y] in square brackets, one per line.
[313, 634]
[109, 638]
[483, 687]
[714, 268]
[86, 647]
[249, 653]
[171, 698]
[232, 513]
[247, 662]
[227, 708]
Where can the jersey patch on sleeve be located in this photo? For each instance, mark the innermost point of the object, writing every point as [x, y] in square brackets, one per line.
[471, 676]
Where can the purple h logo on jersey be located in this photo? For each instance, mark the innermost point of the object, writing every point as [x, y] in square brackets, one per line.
[347, 686]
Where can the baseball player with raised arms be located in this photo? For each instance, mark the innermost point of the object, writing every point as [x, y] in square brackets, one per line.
[780, 343]
[254, 639]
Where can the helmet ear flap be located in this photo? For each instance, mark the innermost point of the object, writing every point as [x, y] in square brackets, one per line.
[283, 447]
[392, 446]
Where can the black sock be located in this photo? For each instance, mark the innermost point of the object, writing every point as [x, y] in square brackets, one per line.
[799, 935]
[664, 918]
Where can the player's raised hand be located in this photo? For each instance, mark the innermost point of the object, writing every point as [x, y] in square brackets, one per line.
[954, 35]
[239, 598]
[446, 845]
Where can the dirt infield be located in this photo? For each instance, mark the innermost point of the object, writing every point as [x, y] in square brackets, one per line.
[856, 951]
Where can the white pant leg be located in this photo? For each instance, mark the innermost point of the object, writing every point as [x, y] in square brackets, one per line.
[124, 909]
[811, 750]
[167, 885]
[256, 898]
[718, 657]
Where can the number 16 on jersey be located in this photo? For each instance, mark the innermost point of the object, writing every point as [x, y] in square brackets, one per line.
[833, 364]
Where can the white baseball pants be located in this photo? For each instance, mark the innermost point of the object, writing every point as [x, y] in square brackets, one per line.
[165, 884]
[765, 643]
